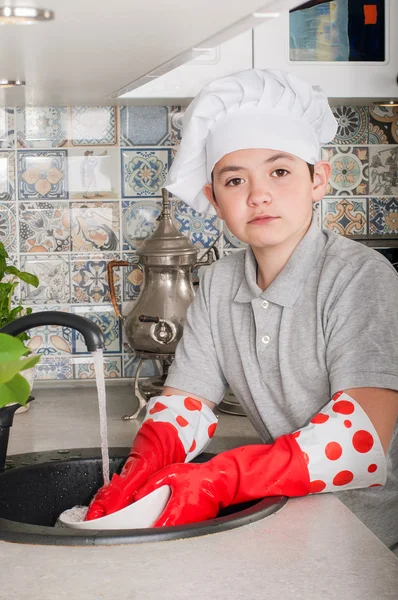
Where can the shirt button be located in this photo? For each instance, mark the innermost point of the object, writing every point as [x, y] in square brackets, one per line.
[266, 339]
[265, 304]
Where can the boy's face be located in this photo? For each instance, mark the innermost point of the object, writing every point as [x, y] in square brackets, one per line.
[251, 185]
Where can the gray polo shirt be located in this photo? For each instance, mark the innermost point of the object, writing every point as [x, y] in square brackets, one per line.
[328, 322]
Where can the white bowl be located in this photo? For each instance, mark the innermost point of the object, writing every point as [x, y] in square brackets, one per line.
[139, 515]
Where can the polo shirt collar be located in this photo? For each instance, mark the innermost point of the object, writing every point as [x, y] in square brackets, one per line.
[287, 286]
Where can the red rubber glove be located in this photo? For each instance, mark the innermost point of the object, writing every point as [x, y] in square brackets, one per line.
[156, 445]
[199, 491]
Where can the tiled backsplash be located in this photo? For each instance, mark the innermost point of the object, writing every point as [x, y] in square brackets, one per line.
[80, 186]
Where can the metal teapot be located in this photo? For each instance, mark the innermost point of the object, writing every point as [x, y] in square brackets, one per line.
[167, 259]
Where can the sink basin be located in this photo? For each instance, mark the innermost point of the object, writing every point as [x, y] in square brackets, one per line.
[36, 487]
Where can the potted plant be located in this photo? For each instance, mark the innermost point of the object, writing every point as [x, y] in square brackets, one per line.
[10, 276]
[14, 388]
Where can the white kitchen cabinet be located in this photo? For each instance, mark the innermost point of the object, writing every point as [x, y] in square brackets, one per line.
[187, 80]
[339, 80]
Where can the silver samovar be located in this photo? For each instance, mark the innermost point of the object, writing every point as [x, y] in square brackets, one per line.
[155, 323]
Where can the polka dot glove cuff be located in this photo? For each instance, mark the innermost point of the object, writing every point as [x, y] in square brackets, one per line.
[195, 422]
[341, 448]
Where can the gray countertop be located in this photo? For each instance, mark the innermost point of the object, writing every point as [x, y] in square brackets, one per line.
[313, 548]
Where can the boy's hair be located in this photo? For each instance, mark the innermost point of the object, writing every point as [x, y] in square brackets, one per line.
[310, 168]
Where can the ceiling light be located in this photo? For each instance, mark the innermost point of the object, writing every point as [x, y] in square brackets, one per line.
[24, 15]
[7, 83]
[389, 103]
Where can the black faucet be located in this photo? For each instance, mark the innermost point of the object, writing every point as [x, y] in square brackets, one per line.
[93, 337]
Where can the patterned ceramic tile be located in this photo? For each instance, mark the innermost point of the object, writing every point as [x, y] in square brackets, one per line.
[44, 227]
[176, 122]
[130, 366]
[94, 173]
[93, 126]
[7, 127]
[105, 318]
[230, 240]
[350, 170]
[346, 216]
[53, 273]
[7, 175]
[383, 216]
[353, 124]
[83, 368]
[201, 230]
[42, 175]
[8, 226]
[133, 278]
[144, 126]
[95, 226]
[54, 368]
[42, 126]
[383, 170]
[383, 125]
[138, 221]
[89, 279]
[317, 213]
[144, 171]
[51, 340]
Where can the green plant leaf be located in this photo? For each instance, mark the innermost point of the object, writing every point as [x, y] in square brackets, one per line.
[9, 369]
[10, 348]
[15, 390]
[11, 270]
[29, 278]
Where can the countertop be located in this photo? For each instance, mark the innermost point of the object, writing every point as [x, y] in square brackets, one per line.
[313, 548]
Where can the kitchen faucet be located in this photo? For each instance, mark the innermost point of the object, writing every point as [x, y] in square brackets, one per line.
[93, 338]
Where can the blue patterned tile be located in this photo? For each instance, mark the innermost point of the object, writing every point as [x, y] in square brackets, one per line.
[130, 365]
[201, 230]
[144, 171]
[83, 368]
[7, 176]
[89, 278]
[93, 126]
[53, 273]
[230, 240]
[42, 175]
[350, 170]
[94, 173]
[105, 318]
[144, 126]
[95, 226]
[346, 216]
[42, 126]
[54, 368]
[353, 124]
[383, 216]
[8, 226]
[44, 227]
[7, 127]
[383, 170]
[138, 222]
[133, 278]
[50, 340]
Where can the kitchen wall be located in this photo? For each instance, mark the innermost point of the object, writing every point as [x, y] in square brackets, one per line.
[80, 186]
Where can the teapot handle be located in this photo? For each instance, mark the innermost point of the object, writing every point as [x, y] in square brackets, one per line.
[109, 271]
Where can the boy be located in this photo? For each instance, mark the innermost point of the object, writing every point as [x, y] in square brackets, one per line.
[302, 325]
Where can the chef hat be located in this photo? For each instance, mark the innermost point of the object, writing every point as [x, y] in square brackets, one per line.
[250, 109]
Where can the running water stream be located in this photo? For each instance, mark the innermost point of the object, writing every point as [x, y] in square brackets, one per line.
[99, 375]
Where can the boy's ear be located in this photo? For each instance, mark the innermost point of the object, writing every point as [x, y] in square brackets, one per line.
[322, 171]
[208, 192]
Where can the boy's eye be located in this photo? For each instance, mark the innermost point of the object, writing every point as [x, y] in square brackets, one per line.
[281, 172]
[234, 182]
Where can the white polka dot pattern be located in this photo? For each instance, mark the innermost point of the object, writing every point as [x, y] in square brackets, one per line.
[194, 421]
[342, 448]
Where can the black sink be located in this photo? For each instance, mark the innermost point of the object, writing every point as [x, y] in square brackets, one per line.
[36, 487]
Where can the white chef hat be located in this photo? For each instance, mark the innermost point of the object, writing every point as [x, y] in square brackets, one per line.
[250, 109]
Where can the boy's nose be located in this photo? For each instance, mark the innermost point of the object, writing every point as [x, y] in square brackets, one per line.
[259, 195]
